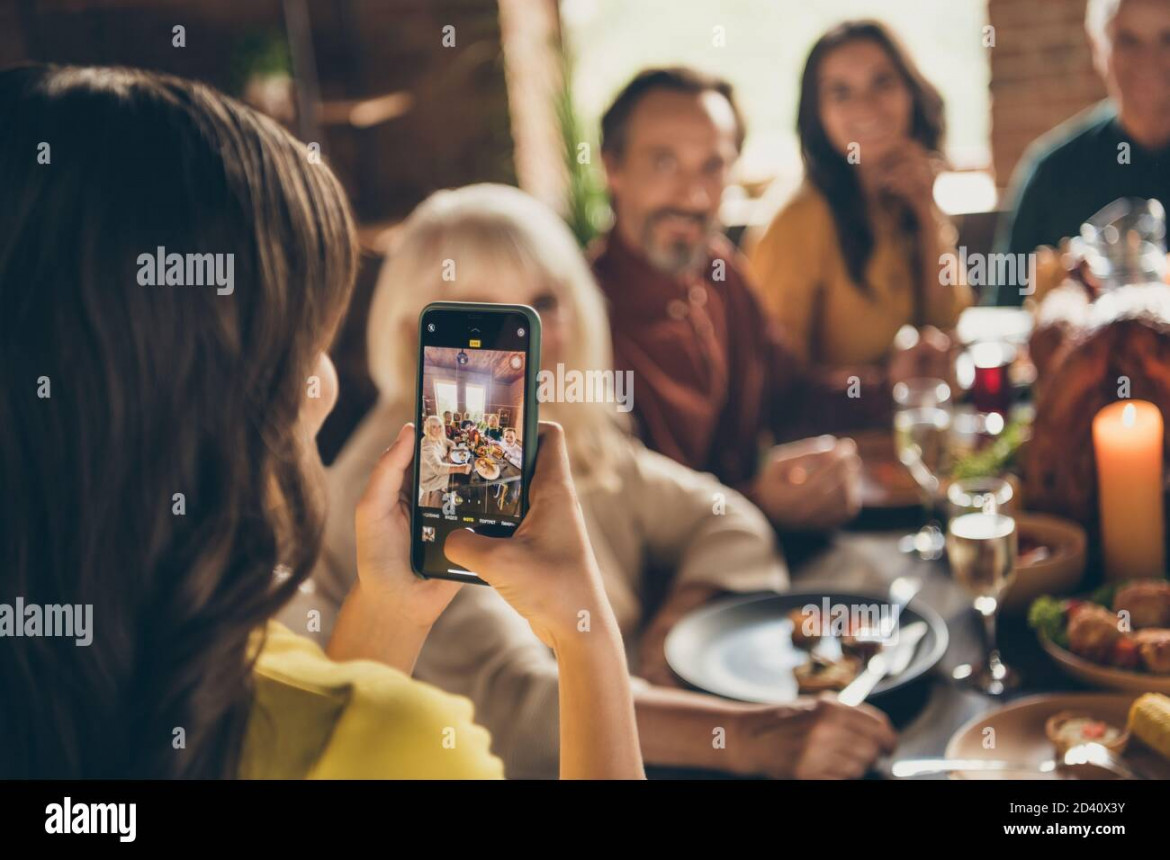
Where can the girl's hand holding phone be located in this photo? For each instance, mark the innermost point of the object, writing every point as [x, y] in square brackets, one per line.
[382, 524]
[546, 570]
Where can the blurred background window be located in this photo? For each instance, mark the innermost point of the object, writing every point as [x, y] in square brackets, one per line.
[446, 397]
[475, 399]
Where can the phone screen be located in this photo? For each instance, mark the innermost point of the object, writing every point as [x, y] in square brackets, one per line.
[476, 426]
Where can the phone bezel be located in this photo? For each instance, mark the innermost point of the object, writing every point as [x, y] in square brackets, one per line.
[531, 419]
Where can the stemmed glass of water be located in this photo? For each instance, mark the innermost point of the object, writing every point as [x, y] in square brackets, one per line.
[981, 549]
[922, 424]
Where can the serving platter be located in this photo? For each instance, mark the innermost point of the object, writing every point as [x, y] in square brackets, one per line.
[1016, 733]
[1107, 677]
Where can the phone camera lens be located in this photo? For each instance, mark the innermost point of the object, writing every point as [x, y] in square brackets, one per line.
[431, 328]
[519, 332]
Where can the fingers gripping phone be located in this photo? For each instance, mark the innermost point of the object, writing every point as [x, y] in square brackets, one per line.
[476, 413]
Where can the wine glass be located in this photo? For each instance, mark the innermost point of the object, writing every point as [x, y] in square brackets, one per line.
[981, 550]
[991, 385]
[922, 423]
[969, 495]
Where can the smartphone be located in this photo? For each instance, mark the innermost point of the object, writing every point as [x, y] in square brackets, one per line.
[476, 416]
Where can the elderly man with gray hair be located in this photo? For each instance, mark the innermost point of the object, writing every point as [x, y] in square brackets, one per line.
[1118, 148]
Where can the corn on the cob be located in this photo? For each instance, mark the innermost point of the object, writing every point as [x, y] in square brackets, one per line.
[1149, 721]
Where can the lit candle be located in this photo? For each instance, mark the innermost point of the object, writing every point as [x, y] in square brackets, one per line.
[1127, 439]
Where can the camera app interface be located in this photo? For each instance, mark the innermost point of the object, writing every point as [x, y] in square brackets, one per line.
[471, 444]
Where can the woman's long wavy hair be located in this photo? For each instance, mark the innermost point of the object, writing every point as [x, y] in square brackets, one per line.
[829, 170]
[118, 397]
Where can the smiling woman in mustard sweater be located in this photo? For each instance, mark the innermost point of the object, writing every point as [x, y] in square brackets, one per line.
[172, 478]
[855, 254]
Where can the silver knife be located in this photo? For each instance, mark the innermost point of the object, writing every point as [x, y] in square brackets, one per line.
[927, 766]
[1089, 755]
[891, 660]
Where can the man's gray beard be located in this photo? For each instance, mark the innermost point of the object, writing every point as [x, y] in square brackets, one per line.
[677, 259]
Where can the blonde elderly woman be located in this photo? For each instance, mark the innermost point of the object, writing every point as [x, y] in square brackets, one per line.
[667, 539]
[434, 474]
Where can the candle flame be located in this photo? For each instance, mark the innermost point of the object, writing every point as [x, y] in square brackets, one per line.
[1129, 415]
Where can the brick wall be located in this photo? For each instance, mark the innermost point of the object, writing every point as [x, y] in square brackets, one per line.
[1041, 73]
[532, 36]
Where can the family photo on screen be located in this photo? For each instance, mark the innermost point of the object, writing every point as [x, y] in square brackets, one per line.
[471, 453]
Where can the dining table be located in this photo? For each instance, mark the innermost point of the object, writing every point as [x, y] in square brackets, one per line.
[865, 558]
[928, 713]
[509, 474]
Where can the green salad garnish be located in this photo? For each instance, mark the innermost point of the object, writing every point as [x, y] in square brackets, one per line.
[1047, 617]
[997, 457]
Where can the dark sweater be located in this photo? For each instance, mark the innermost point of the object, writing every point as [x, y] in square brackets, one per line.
[1068, 176]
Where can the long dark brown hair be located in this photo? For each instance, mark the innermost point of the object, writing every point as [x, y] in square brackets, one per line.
[826, 168]
[153, 391]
